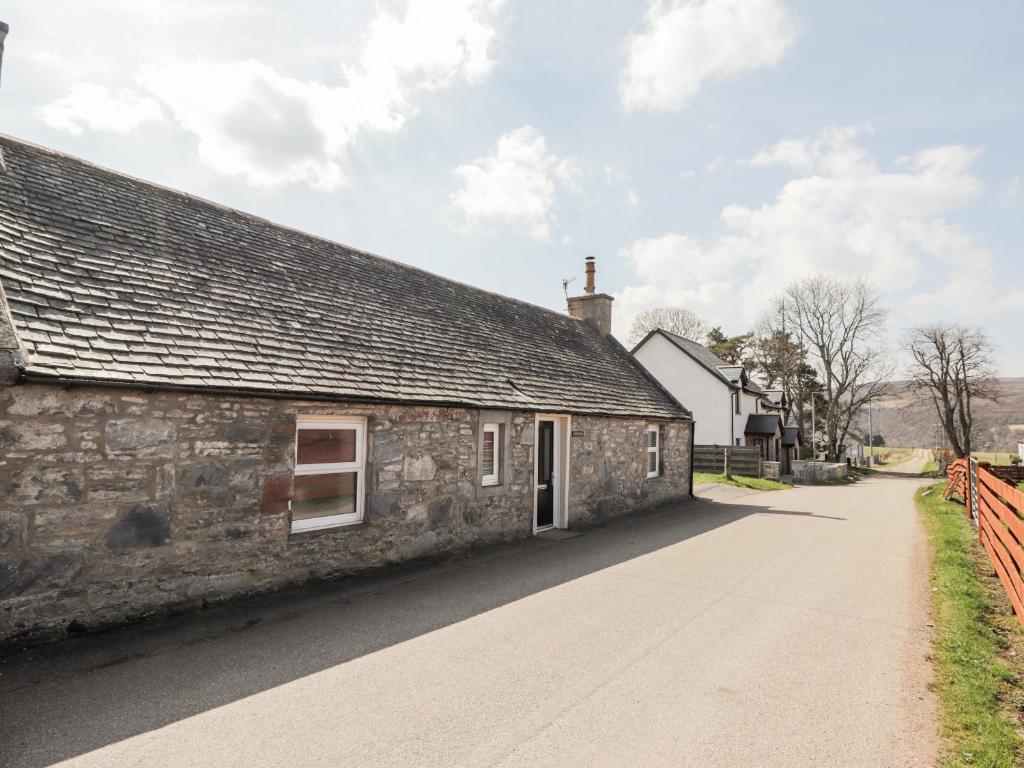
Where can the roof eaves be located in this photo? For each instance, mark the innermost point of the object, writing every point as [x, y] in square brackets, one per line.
[713, 371]
[631, 360]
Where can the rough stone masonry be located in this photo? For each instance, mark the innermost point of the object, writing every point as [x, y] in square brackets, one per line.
[118, 503]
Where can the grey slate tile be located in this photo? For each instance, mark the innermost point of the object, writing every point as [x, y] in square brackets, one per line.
[113, 279]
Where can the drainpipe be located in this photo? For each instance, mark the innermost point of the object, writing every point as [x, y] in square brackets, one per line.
[693, 429]
[732, 419]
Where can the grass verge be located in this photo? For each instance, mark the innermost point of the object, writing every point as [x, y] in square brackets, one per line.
[975, 647]
[930, 469]
[740, 481]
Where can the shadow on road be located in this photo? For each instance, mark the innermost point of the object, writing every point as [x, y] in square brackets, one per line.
[66, 699]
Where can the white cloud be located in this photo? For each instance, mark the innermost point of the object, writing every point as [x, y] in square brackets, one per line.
[832, 151]
[252, 121]
[96, 107]
[515, 183]
[687, 43]
[842, 214]
[1012, 194]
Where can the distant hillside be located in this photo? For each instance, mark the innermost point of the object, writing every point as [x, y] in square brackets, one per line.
[904, 422]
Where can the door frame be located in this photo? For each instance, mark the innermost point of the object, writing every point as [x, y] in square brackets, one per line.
[562, 432]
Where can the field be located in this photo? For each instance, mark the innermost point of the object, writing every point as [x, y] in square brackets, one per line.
[888, 456]
[1000, 459]
[903, 418]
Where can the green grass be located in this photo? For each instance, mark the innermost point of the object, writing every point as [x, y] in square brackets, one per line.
[740, 481]
[999, 459]
[930, 469]
[977, 687]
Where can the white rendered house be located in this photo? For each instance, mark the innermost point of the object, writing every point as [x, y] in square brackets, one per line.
[728, 407]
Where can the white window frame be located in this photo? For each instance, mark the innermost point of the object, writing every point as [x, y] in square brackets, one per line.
[492, 428]
[358, 423]
[655, 449]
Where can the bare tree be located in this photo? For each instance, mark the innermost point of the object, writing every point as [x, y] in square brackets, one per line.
[952, 366]
[780, 359]
[839, 324]
[677, 320]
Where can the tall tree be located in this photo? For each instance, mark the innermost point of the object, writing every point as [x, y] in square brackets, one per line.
[732, 349]
[781, 363]
[677, 320]
[839, 323]
[953, 366]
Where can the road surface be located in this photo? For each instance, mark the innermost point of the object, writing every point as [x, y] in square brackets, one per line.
[785, 628]
[912, 466]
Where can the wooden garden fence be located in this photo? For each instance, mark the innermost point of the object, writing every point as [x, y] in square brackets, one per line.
[997, 508]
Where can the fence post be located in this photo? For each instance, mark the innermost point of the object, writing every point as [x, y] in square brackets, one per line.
[972, 491]
[725, 465]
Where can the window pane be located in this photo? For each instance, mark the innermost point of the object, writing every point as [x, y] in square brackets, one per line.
[652, 439]
[488, 453]
[326, 446]
[652, 461]
[324, 495]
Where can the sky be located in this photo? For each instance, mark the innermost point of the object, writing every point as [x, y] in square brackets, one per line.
[707, 153]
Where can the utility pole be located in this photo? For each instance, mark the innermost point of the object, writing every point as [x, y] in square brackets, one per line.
[871, 442]
[814, 430]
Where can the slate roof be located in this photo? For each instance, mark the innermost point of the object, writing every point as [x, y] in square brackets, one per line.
[111, 279]
[762, 424]
[753, 387]
[733, 373]
[704, 356]
[791, 436]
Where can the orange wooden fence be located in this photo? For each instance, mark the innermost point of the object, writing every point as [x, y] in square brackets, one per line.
[1000, 517]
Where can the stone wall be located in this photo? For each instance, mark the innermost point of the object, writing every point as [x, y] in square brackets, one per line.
[118, 503]
[609, 467]
[811, 472]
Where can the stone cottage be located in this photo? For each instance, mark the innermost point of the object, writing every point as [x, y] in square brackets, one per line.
[197, 404]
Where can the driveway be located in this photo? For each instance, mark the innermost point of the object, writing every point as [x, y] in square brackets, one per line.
[785, 628]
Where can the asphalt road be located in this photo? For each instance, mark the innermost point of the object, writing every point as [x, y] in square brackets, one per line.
[777, 629]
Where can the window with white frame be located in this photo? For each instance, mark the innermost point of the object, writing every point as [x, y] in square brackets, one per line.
[330, 462]
[653, 451]
[490, 461]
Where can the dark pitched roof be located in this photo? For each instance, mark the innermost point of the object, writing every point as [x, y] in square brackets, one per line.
[753, 387]
[791, 436]
[115, 280]
[734, 373]
[762, 424]
[701, 354]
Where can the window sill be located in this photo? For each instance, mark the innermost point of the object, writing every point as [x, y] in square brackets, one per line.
[653, 476]
[325, 528]
[494, 484]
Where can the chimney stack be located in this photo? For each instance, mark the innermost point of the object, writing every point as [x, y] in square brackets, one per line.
[592, 308]
[4, 29]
